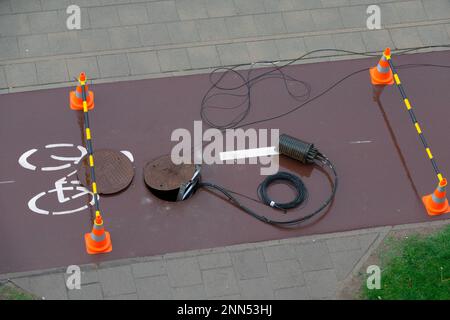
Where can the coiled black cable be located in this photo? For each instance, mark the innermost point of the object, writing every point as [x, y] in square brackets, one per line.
[293, 180]
[320, 160]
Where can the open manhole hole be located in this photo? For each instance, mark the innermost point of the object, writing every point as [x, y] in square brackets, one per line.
[169, 181]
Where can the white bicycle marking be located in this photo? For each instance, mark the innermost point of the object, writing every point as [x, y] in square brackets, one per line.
[62, 185]
[23, 160]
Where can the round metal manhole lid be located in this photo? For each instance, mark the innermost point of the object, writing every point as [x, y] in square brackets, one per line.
[162, 174]
[113, 171]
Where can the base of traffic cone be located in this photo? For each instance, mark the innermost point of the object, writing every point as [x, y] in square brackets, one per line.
[376, 80]
[432, 211]
[77, 104]
[107, 247]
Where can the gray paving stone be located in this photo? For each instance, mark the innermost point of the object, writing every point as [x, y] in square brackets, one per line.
[87, 292]
[344, 261]
[306, 4]
[294, 293]
[84, 64]
[21, 74]
[190, 293]
[8, 48]
[124, 37]
[54, 4]
[249, 6]
[278, 5]
[31, 46]
[269, 24]
[162, 11]
[173, 60]
[50, 287]
[143, 62]
[20, 6]
[447, 27]
[335, 3]
[433, 35]
[45, 22]
[154, 34]
[52, 71]
[321, 284]
[285, 273]
[326, 19]
[191, 9]
[241, 26]
[227, 297]
[256, 289]
[355, 16]
[389, 14]
[405, 37]
[377, 40]
[133, 14]
[233, 53]
[349, 41]
[5, 7]
[343, 243]
[94, 40]
[116, 281]
[249, 264]
[3, 82]
[263, 50]
[320, 42]
[203, 57]
[290, 48]
[114, 65]
[214, 260]
[183, 272]
[437, 9]
[314, 256]
[279, 252]
[366, 240]
[298, 21]
[148, 269]
[212, 29]
[64, 42]
[220, 282]
[410, 11]
[103, 17]
[154, 288]
[220, 8]
[131, 296]
[14, 25]
[183, 32]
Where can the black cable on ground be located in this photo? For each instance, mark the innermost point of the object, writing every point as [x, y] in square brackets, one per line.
[296, 182]
[243, 90]
[321, 159]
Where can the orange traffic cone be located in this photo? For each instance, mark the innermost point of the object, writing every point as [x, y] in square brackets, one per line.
[99, 240]
[382, 73]
[437, 203]
[76, 100]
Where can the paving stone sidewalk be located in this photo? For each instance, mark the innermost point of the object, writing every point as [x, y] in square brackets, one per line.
[310, 267]
[135, 39]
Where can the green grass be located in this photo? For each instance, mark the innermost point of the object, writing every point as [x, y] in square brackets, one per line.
[10, 292]
[415, 268]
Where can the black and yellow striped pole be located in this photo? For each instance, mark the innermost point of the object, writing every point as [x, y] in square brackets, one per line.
[414, 120]
[90, 149]
[435, 203]
[98, 241]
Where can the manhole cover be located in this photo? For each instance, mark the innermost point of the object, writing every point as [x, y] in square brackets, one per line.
[164, 178]
[113, 171]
